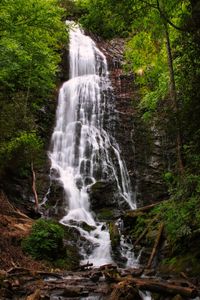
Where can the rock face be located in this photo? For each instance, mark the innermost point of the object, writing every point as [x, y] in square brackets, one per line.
[146, 149]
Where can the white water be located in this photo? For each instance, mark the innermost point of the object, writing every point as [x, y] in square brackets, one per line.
[81, 147]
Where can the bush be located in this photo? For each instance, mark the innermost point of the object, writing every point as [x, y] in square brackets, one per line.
[45, 240]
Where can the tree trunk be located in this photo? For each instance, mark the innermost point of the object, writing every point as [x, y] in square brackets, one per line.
[164, 287]
[156, 245]
[183, 289]
[173, 95]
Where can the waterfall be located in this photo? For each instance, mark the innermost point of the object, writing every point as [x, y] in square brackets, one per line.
[83, 149]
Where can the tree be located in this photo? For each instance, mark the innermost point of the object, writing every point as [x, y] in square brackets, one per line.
[32, 34]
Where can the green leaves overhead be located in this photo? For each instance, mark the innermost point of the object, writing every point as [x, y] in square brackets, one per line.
[108, 18]
[32, 34]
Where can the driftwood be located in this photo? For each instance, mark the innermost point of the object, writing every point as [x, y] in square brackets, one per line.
[149, 207]
[156, 245]
[164, 287]
[144, 209]
[34, 188]
[132, 215]
[124, 290]
[19, 279]
[159, 286]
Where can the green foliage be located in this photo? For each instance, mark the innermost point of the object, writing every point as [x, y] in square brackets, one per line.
[168, 178]
[141, 223]
[27, 144]
[45, 241]
[32, 34]
[181, 214]
[106, 17]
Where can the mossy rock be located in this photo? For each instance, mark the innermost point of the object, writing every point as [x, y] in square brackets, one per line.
[102, 194]
[106, 214]
[54, 243]
[114, 235]
[85, 226]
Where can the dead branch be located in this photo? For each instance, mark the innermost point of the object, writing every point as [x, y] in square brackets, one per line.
[34, 188]
[144, 232]
[156, 245]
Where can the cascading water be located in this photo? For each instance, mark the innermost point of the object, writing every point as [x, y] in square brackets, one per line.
[83, 152]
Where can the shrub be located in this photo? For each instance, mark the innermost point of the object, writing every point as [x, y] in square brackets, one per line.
[45, 240]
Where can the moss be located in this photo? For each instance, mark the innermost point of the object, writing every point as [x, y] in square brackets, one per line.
[105, 214]
[188, 263]
[114, 235]
[70, 260]
[87, 227]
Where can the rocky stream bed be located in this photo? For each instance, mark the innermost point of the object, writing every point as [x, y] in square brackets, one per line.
[23, 278]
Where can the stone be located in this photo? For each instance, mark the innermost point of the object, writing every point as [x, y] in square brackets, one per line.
[102, 195]
[114, 235]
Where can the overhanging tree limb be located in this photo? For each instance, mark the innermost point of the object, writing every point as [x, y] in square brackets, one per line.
[164, 16]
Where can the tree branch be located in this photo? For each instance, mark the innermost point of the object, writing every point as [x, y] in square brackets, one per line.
[34, 188]
[163, 15]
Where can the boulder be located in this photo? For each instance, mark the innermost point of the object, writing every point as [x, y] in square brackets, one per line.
[102, 194]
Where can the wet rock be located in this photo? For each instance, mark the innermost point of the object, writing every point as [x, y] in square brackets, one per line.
[95, 276]
[55, 206]
[64, 65]
[108, 214]
[147, 148]
[102, 194]
[114, 235]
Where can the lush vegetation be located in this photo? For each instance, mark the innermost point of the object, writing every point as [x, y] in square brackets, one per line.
[163, 51]
[32, 34]
[48, 241]
[45, 240]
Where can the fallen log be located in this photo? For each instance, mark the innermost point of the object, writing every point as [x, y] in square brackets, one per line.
[143, 209]
[155, 285]
[156, 245]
